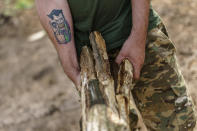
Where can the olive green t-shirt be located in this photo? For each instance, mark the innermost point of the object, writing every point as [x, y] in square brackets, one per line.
[112, 18]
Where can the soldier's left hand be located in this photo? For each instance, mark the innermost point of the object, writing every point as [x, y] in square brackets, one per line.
[133, 50]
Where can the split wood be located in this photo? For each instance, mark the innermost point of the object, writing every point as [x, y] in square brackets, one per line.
[105, 108]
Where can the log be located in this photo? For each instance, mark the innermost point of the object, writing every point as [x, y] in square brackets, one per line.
[127, 108]
[123, 92]
[90, 91]
[103, 108]
[102, 67]
[96, 115]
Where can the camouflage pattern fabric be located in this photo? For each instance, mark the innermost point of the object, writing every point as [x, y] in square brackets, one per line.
[161, 93]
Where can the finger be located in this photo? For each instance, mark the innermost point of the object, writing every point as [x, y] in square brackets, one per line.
[78, 80]
[137, 70]
[119, 59]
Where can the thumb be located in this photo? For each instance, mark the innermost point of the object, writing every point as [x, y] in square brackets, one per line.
[137, 70]
[119, 58]
[78, 80]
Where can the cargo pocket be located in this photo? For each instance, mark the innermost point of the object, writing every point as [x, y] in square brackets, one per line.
[161, 45]
[160, 51]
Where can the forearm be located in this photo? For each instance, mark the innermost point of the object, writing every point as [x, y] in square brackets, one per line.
[56, 18]
[140, 18]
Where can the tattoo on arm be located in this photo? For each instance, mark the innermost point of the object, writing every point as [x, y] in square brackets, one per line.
[60, 26]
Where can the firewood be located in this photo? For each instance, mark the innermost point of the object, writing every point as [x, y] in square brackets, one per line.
[96, 114]
[103, 107]
[102, 67]
[127, 108]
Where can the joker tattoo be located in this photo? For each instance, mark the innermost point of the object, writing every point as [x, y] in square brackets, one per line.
[60, 26]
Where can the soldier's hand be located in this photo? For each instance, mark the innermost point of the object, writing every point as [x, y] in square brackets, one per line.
[133, 50]
[77, 79]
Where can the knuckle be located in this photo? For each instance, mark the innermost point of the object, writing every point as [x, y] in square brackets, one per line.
[123, 54]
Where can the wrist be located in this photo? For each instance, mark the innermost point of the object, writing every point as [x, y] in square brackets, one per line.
[138, 38]
[139, 31]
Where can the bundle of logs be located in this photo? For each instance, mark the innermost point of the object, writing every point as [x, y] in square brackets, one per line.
[104, 107]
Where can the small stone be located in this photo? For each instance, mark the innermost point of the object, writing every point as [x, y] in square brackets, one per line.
[189, 125]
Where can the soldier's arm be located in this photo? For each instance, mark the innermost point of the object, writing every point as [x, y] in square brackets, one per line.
[140, 15]
[134, 47]
[56, 19]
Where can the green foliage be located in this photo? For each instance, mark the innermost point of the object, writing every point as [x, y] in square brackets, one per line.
[12, 7]
[24, 4]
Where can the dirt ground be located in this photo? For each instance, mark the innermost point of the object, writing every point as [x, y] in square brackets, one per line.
[35, 95]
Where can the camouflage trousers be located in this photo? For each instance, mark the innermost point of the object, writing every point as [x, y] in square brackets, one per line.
[161, 93]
